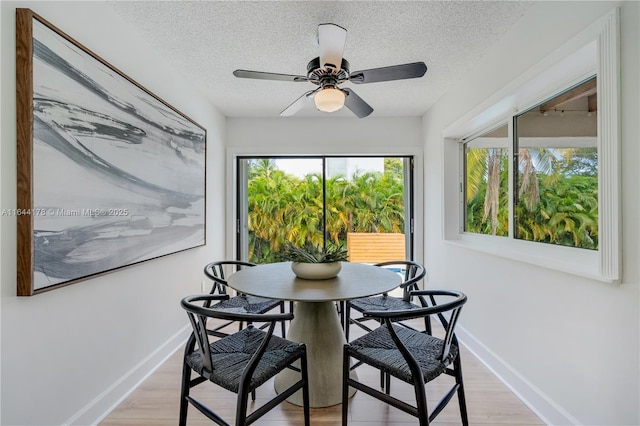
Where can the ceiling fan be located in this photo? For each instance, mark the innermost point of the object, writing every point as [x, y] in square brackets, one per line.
[330, 69]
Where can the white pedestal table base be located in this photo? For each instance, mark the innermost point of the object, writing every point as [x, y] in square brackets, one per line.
[317, 325]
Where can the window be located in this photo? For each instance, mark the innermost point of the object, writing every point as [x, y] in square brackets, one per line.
[563, 209]
[556, 182]
[362, 203]
[555, 194]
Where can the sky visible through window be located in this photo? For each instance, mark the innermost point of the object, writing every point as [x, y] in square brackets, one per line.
[302, 166]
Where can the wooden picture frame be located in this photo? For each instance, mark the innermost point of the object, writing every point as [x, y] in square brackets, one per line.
[108, 174]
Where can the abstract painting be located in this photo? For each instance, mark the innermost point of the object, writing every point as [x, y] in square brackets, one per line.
[109, 175]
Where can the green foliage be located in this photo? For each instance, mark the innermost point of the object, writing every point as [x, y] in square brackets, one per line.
[557, 203]
[283, 207]
[487, 213]
[312, 253]
[567, 214]
[582, 161]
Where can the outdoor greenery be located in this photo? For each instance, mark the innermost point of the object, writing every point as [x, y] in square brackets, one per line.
[285, 208]
[487, 191]
[311, 253]
[557, 195]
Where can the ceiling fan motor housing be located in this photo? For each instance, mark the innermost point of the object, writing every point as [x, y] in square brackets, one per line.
[330, 76]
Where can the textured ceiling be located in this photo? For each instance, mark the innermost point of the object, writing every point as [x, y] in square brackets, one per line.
[207, 40]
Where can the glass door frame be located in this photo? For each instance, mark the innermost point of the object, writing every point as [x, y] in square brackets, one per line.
[241, 185]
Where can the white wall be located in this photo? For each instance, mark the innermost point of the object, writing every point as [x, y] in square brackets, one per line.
[325, 136]
[68, 355]
[568, 345]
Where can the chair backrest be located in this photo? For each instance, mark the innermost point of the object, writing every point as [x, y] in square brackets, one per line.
[216, 271]
[413, 273]
[199, 309]
[454, 303]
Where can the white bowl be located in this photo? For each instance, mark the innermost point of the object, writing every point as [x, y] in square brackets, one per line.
[316, 271]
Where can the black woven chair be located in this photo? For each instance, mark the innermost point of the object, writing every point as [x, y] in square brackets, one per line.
[240, 362]
[242, 302]
[413, 273]
[411, 356]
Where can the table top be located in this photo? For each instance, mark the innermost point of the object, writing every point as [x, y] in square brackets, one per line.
[277, 281]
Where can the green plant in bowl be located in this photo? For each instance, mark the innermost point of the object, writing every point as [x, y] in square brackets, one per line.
[311, 253]
[311, 262]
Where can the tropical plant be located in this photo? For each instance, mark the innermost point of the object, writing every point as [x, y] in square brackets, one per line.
[283, 207]
[312, 253]
[567, 214]
[487, 193]
[557, 199]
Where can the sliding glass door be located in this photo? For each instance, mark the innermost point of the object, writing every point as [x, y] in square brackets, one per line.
[362, 203]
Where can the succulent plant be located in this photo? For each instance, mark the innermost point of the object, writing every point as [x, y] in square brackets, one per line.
[311, 253]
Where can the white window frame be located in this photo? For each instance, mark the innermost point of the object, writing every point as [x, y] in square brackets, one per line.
[595, 51]
[231, 192]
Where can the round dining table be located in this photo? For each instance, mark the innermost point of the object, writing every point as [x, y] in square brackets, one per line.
[316, 322]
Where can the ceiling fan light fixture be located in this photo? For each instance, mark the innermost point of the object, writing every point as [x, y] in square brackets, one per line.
[329, 99]
[329, 70]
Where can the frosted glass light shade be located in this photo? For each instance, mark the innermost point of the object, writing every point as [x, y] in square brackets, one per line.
[329, 99]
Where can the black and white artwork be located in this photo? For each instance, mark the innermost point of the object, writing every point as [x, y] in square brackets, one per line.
[118, 175]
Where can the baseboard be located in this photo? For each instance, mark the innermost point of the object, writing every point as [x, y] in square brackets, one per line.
[545, 408]
[96, 410]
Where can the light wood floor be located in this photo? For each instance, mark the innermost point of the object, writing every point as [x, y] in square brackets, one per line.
[155, 402]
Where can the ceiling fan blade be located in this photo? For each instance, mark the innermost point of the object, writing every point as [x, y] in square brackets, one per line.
[331, 39]
[395, 72]
[356, 104]
[297, 104]
[268, 76]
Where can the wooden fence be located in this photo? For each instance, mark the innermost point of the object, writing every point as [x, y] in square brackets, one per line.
[375, 247]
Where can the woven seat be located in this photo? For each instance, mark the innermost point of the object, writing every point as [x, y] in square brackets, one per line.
[409, 355]
[239, 362]
[412, 273]
[378, 350]
[381, 303]
[248, 304]
[242, 303]
[231, 354]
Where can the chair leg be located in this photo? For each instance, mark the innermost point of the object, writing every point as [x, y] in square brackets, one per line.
[291, 307]
[184, 392]
[346, 309]
[282, 322]
[345, 385]
[421, 404]
[305, 388]
[461, 398]
[340, 308]
[241, 409]
[385, 382]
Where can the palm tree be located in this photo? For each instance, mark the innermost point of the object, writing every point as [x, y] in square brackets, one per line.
[269, 207]
[486, 191]
[286, 208]
[262, 167]
[555, 205]
[557, 194]
[492, 195]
